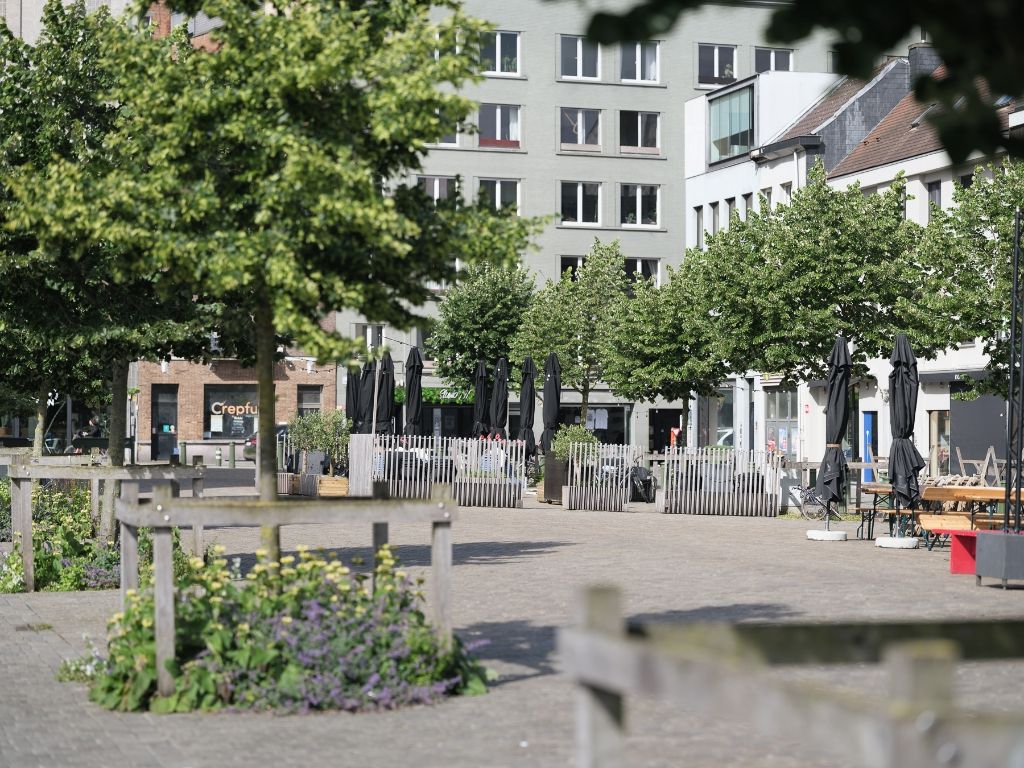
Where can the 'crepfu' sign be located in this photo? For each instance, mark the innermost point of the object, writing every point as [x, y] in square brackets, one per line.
[228, 409]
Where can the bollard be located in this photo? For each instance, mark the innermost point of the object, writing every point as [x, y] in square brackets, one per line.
[219, 456]
[183, 453]
[231, 454]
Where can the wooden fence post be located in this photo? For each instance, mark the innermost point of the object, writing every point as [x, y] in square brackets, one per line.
[921, 675]
[163, 587]
[380, 530]
[600, 721]
[197, 529]
[441, 570]
[129, 544]
[21, 519]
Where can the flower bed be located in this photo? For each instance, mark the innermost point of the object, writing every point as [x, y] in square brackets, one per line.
[295, 635]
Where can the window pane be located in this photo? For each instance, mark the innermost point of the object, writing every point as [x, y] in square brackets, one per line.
[568, 263]
[649, 129]
[426, 183]
[445, 188]
[706, 63]
[649, 268]
[489, 51]
[782, 61]
[649, 205]
[591, 119]
[509, 123]
[509, 194]
[569, 62]
[649, 63]
[628, 56]
[488, 191]
[725, 62]
[631, 269]
[509, 52]
[762, 60]
[591, 192]
[450, 138]
[570, 127]
[569, 210]
[732, 125]
[589, 58]
[488, 121]
[627, 204]
[628, 129]
[309, 399]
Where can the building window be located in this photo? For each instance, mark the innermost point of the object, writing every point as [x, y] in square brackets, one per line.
[787, 191]
[500, 193]
[938, 443]
[581, 202]
[309, 399]
[639, 131]
[781, 422]
[748, 204]
[231, 411]
[644, 269]
[499, 53]
[772, 59]
[714, 219]
[732, 125]
[421, 336]
[371, 334]
[639, 62]
[437, 187]
[716, 64]
[570, 264]
[638, 205]
[581, 58]
[580, 128]
[934, 196]
[730, 209]
[966, 180]
[698, 226]
[499, 126]
[832, 62]
[766, 193]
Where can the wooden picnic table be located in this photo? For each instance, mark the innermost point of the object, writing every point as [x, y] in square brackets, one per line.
[975, 497]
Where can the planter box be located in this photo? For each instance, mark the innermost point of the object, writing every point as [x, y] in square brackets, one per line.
[555, 472]
[331, 487]
[999, 556]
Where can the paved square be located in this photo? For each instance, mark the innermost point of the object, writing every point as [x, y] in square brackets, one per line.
[516, 574]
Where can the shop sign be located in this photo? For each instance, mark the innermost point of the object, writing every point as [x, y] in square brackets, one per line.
[227, 409]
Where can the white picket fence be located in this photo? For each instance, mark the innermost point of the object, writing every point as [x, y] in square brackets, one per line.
[480, 473]
[599, 476]
[722, 481]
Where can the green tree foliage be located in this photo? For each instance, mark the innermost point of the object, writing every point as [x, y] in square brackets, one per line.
[478, 318]
[326, 431]
[979, 44]
[567, 315]
[780, 285]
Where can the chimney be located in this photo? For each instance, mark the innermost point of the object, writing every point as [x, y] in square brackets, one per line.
[923, 61]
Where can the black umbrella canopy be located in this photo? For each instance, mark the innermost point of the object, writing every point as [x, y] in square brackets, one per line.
[480, 403]
[527, 405]
[832, 473]
[499, 400]
[552, 400]
[904, 459]
[365, 400]
[413, 391]
[386, 395]
[352, 397]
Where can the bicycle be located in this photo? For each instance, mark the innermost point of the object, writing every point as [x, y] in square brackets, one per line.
[812, 506]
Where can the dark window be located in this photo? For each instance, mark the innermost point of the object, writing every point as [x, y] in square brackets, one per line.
[934, 196]
[499, 53]
[579, 57]
[580, 126]
[500, 192]
[714, 218]
[580, 202]
[716, 64]
[371, 334]
[639, 61]
[309, 399]
[571, 264]
[231, 410]
[748, 204]
[767, 59]
[499, 125]
[642, 269]
[966, 180]
[638, 129]
[699, 226]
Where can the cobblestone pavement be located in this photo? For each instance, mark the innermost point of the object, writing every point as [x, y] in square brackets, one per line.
[516, 573]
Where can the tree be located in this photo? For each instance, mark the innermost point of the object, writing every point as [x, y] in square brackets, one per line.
[566, 318]
[979, 46]
[263, 171]
[478, 318]
[783, 283]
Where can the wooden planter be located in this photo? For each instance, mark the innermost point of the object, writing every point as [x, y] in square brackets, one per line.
[331, 487]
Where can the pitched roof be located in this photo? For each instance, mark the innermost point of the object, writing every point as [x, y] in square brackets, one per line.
[902, 134]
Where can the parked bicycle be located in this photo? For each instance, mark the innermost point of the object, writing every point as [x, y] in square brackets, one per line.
[812, 506]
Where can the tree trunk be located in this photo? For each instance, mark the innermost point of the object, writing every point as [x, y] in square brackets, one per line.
[266, 350]
[118, 410]
[584, 402]
[38, 439]
[686, 421]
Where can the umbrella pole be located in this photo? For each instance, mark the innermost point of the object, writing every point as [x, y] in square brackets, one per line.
[376, 383]
[828, 514]
[1013, 396]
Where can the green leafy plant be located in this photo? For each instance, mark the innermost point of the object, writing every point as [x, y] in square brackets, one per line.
[82, 669]
[326, 431]
[567, 435]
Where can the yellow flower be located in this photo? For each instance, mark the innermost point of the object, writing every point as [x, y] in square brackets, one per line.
[196, 562]
[334, 598]
[261, 552]
[243, 628]
[302, 548]
[216, 599]
[219, 549]
[286, 619]
[287, 560]
[400, 574]
[215, 585]
[147, 622]
[130, 593]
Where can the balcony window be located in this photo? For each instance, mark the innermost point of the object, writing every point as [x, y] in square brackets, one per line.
[499, 126]
[580, 128]
[732, 125]
[580, 58]
[581, 202]
[639, 62]
[772, 60]
[716, 64]
[499, 193]
[499, 53]
[644, 269]
[638, 205]
[437, 187]
[639, 131]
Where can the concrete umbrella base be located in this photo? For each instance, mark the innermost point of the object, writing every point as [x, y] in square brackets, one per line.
[817, 534]
[897, 542]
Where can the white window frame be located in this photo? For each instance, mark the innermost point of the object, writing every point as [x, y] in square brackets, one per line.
[717, 47]
[579, 121]
[579, 59]
[638, 61]
[498, 185]
[579, 203]
[771, 65]
[518, 140]
[433, 179]
[498, 58]
[637, 210]
[655, 150]
[638, 271]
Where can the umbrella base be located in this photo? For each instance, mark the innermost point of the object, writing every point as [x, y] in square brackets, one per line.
[897, 542]
[817, 534]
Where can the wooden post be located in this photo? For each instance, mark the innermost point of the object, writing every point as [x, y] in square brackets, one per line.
[197, 530]
[163, 586]
[129, 545]
[600, 722]
[94, 501]
[21, 509]
[441, 569]
[921, 675]
[380, 530]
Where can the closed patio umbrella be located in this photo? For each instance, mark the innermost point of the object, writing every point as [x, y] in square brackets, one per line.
[499, 400]
[413, 391]
[904, 459]
[527, 405]
[386, 396]
[365, 400]
[352, 397]
[832, 473]
[552, 400]
[480, 403]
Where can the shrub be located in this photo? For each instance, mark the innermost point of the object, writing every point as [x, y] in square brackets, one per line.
[303, 635]
[5, 509]
[569, 434]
